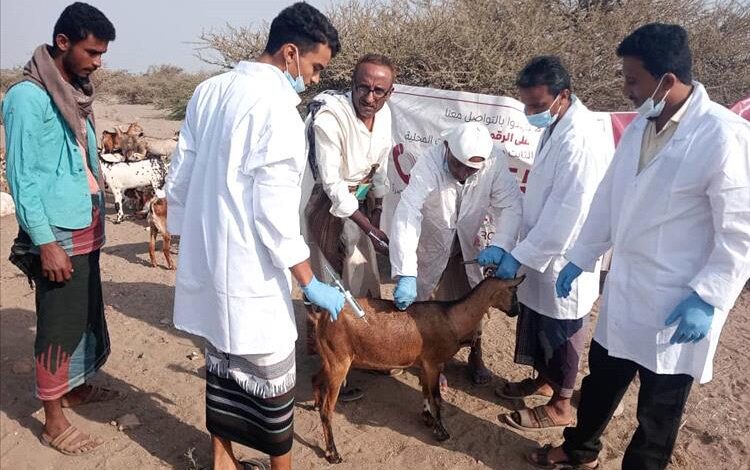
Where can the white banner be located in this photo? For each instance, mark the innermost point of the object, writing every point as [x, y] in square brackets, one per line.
[420, 114]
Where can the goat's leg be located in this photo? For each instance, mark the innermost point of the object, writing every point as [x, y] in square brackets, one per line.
[167, 246]
[117, 194]
[152, 246]
[335, 377]
[318, 386]
[431, 378]
[427, 417]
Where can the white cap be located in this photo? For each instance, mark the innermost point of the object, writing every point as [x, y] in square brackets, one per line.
[469, 140]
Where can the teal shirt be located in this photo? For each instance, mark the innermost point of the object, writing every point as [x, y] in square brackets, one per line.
[45, 170]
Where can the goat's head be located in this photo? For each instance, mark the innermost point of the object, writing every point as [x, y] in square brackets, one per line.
[503, 292]
[135, 129]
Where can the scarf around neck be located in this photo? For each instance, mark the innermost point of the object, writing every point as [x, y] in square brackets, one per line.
[74, 100]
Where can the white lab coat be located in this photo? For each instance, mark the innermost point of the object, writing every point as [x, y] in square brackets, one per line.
[435, 207]
[567, 170]
[682, 224]
[233, 182]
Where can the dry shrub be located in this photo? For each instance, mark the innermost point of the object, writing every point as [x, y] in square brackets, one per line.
[166, 86]
[480, 45]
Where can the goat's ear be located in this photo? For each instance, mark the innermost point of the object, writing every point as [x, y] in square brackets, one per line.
[513, 283]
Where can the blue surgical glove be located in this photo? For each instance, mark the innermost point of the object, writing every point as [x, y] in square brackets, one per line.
[565, 279]
[324, 296]
[695, 317]
[508, 267]
[406, 292]
[491, 256]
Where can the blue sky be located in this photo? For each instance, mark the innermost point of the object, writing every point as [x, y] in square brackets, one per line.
[149, 32]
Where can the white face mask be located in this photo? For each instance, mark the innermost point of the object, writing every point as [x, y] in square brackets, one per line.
[648, 109]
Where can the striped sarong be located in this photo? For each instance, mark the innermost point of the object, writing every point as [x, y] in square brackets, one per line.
[250, 399]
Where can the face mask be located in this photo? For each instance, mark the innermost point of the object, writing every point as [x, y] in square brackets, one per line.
[648, 109]
[543, 119]
[297, 83]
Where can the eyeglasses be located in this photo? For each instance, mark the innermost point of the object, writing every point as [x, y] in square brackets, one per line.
[366, 90]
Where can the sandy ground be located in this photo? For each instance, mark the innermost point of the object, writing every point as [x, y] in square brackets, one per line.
[161, 371]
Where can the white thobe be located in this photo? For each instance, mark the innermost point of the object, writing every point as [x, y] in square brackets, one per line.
[232, 183]
[567, 169]
[680, 225]
[345, 152]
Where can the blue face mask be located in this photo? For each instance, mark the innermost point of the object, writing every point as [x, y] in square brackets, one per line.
[297, 83]
[543, 119]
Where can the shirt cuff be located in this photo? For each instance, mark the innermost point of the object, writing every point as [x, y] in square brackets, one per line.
[528, 255]
[581, 259]
[291, 253]
[712, 289]
[346, 206]
[41, 234]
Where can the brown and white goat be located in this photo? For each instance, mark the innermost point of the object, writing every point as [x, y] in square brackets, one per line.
[427, 334]
[157, 223]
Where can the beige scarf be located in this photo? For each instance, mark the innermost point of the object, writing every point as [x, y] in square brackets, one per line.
[73, 100]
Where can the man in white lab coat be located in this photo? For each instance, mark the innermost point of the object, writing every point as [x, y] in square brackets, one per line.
[349, 140]
[570, 162]
[675, 208]
[452, 188]
[233, 181]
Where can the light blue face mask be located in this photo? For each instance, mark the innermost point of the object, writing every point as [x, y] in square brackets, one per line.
[543, 119]
[648, 109]
[297, 83]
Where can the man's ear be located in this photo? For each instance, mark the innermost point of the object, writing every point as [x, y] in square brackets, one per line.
[62, 43]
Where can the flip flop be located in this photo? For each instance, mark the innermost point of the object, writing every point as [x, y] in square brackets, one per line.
[542, 461]
[350, 394]
[253, 464]
[524, 388]
[96, 394]
[531, 419]
[71, 441]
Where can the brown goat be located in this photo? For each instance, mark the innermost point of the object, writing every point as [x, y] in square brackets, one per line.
[157, 222]
[112, 141]
[426, 334]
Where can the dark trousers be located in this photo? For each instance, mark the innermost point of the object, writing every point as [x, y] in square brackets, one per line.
[661, 401]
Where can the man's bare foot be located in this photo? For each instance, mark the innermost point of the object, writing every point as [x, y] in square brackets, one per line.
[524, 388]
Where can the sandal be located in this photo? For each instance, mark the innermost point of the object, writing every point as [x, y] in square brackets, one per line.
[71, 442]
[253, 464]
[518, 390]
[539, 458]
[96, 394]
[532, 419]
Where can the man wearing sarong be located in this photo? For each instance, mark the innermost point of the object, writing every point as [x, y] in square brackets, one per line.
[233, 189]
[570, 161]
[349, 139]
[56, 183]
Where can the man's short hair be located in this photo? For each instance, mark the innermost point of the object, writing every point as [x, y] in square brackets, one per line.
[662, 48]
[79, 19]
[544, 70]
[377, 59]
[305, 27]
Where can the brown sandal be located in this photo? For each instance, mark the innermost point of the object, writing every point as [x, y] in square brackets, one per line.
[532, 419]
[71, 442]
[96, 394]
[253, 464]
[540, 459]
